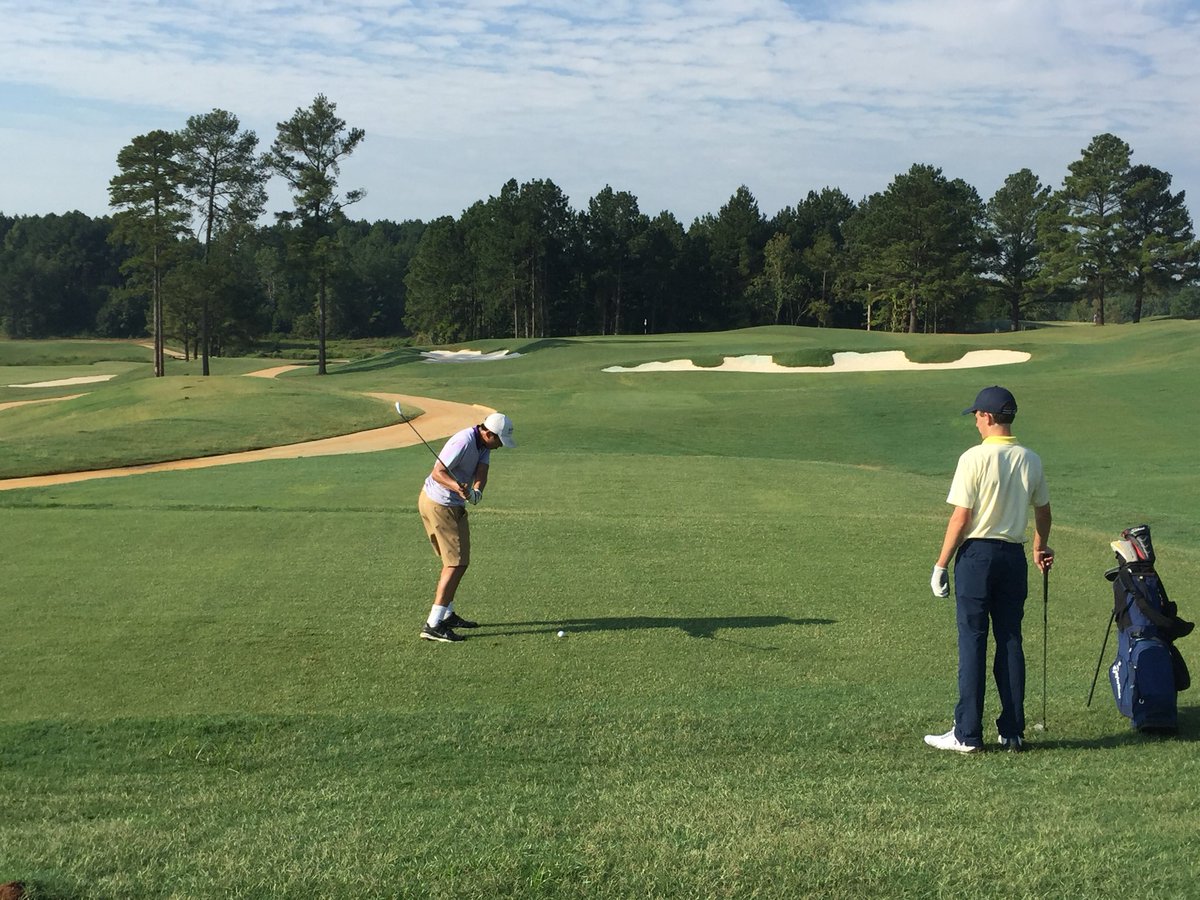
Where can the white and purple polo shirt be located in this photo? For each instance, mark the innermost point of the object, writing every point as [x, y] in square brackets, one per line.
[461, 454]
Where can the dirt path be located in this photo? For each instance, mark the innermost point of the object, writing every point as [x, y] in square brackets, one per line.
[441, 419]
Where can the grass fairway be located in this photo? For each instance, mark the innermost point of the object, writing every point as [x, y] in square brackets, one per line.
[211, 683]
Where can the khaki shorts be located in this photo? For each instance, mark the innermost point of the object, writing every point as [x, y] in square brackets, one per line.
[448, 530]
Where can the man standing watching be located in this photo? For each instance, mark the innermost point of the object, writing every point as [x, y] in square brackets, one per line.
[994, 485]
[459, 476]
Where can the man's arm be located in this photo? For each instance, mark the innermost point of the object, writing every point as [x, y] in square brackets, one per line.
[1043, 556]
[478, 483]
[481, 476]
[956, 530]
[443, 476]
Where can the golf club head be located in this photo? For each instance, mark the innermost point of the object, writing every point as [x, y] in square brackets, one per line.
[400, 411]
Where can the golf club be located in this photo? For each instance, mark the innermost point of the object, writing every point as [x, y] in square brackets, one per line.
[408, 422]
[1127, 553]
[1045, 629]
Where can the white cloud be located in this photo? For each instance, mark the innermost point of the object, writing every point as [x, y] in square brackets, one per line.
[677, 101]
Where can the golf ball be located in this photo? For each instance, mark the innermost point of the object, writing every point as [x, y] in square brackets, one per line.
[562, 634]
[1039, 727]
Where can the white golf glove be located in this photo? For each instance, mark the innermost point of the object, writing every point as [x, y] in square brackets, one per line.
[940, 582]
[474, 495]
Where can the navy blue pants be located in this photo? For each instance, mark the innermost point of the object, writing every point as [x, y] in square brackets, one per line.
[991, 582]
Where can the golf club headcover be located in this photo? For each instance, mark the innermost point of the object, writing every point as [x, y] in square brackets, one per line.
[474, 495]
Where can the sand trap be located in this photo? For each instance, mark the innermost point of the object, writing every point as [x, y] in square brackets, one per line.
[458, 356]
[883, 361]
[82, 379]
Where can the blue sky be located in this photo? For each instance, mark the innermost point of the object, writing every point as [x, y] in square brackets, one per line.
[676, 101]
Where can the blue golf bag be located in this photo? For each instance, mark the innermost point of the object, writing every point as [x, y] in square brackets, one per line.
[1149, 671]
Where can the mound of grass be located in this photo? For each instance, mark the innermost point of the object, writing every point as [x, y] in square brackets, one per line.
[808, 356]
[387, 360]
[176, 417]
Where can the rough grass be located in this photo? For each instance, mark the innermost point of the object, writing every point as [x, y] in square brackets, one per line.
[70, 353]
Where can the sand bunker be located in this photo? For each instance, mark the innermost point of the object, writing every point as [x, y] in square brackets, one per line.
[883, 361]
[82, 379]
[458, 356]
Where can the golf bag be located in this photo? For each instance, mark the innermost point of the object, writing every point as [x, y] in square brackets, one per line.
[1148, 671]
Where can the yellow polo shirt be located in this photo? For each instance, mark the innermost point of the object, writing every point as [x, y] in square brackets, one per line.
[998, 481]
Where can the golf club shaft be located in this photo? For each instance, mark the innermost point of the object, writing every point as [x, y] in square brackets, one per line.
[400, 412]
[1045, 631]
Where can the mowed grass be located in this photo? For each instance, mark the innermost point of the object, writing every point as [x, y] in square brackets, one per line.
[212, 685]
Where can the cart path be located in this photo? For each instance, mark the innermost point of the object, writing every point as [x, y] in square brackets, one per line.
[13, 404]
[442, 418]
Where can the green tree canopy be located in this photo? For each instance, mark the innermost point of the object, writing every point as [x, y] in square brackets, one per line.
[736, 236]
[307, 152]
[779, 288]
[225, 181]
[916, 244]
[1083, 228]
[612, 227]
[152, 215]
[1157, 232]
[1012, 249]
[56, 272]
[442, 304]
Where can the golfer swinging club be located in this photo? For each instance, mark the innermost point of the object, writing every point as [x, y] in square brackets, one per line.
[994, 485]
[459, 476]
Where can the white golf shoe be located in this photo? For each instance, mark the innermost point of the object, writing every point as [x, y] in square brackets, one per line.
[948, 741]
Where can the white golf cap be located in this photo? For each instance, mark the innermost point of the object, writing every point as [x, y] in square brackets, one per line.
[500, 425]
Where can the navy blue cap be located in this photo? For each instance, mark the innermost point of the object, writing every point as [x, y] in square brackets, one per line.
[995, 400]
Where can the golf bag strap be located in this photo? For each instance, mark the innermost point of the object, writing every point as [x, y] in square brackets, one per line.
[1183, 678]
[1133, 586]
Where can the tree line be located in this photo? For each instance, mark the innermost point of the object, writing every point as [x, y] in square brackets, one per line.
[185, 255]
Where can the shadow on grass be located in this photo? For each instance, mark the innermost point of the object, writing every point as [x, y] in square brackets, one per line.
[702, 627]
[1188, 733]
[544, 344]
[390, 360]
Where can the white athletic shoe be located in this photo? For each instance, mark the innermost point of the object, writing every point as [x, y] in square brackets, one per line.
[948, 741]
